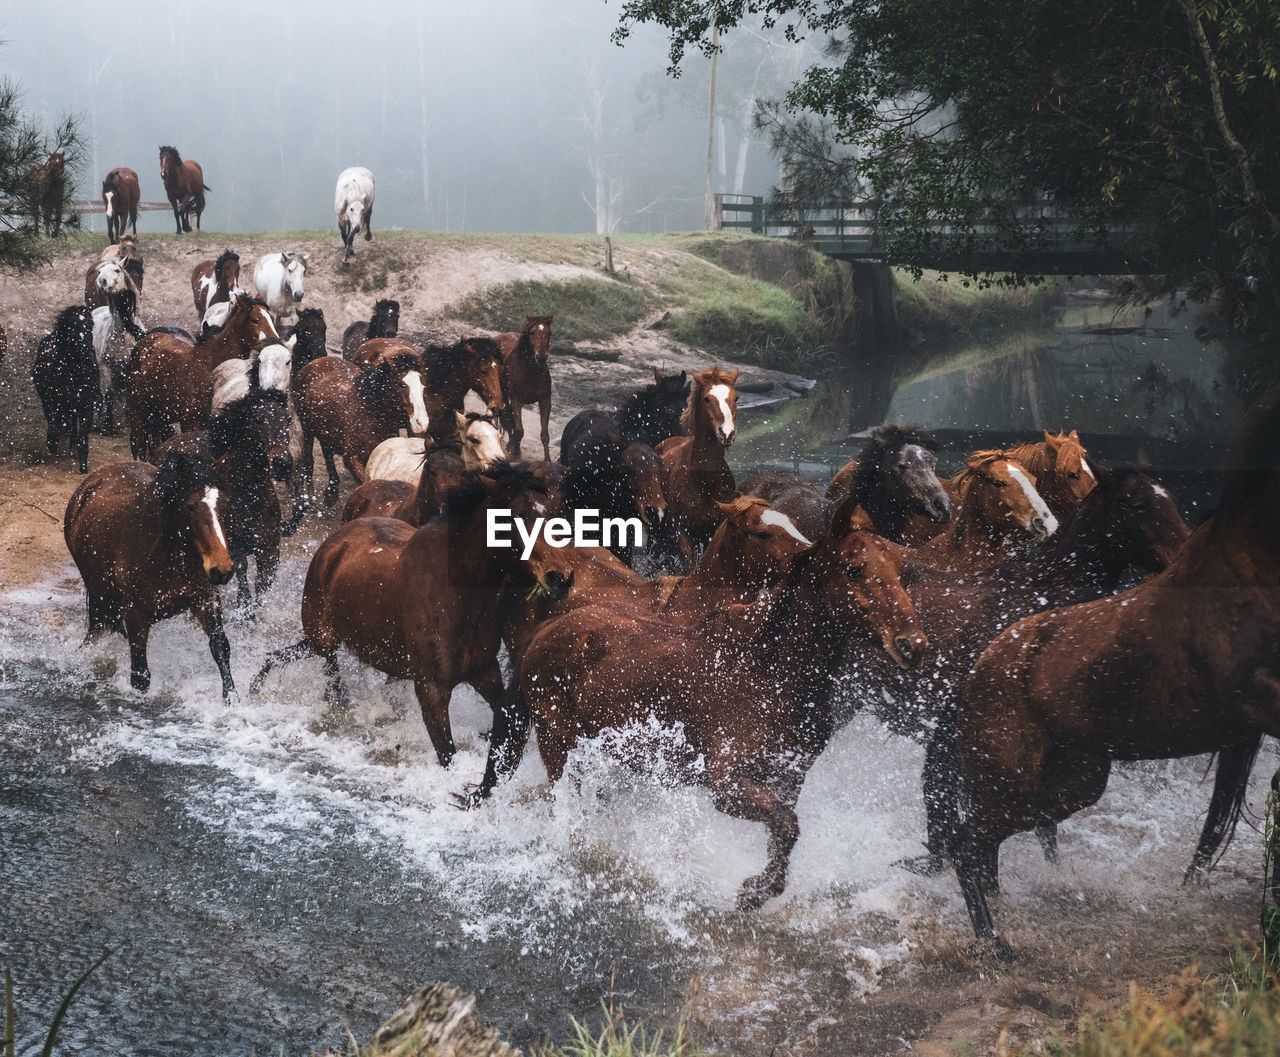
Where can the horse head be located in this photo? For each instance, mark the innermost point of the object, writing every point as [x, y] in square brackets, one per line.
[1000, 489]
[481, 438]
[113, 278]
[1070, 475]
[295, 268]
[763, 539]
[713, 405]
[188, 489]
[484, 372]
[905, 458]
[170, 162]
[226, 270]
[858, 581]
[537, 330]
[1137, 516]
[643, 472]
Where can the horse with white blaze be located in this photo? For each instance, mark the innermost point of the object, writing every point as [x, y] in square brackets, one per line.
[278, 278]
[353, 202]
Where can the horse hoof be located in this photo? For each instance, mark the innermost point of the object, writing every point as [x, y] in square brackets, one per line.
[928, 865]
[755, 892]
[469, 800]
[140, 682]
[994, 949]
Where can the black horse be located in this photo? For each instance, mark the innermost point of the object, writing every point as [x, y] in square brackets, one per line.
[385, 323]
[649, 416]
[65, 376]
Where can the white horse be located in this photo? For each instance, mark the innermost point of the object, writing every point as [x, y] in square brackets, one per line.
[232, 379]
[397, 459]
[353, 202]
[278, 278]
[115, 329]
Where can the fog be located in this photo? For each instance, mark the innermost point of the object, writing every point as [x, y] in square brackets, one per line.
[494, 115]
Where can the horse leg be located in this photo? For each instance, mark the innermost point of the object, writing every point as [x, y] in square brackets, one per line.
[515, 428]
[334, 484]
[177, 216]
[747, 799]
[544, 417]
[303, 481]
[509, 735]
[368, 224]
[284, 655]
[1230, 784]
[268, 565]
[941, 779]
[51, 439]
[433, 699]
[1047, 835]
[83, 421]
[137, 629]
[209, 614]
[335, 694]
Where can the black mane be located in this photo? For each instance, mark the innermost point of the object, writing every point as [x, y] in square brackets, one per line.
[508, 480]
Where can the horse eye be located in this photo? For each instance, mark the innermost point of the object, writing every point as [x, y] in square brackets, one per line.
[853, 571]
[761, 535]
[1074, 476]
[997, 482]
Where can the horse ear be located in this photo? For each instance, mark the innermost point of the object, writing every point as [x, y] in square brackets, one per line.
[725, 508]
[461, 420]
[1051, 440]
[733, 378]
[306, 258]
[284, 259]
[1074, 435]
[293, 340]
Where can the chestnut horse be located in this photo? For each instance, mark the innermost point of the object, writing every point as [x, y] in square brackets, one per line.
[1129, 519]
[149, 545]
[996, 508]
[1185, 663]
[1062, 471]
[750, 549]
[526, 379]
[421, 603]
[443, 465]
[349, 411]
[184, 186]
[120, 197]
[169, 373]
[748, 689]
[698, 476]
[216, 282]
[472, 364]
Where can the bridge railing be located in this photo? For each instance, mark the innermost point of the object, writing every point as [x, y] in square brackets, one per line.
[853, 230]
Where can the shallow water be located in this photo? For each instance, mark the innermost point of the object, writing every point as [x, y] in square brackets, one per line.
[267, 874]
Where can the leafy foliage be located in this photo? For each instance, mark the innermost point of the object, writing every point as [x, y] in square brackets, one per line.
[954, 114]
[26, 197]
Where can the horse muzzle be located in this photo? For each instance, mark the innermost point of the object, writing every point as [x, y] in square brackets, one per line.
[218, 576]
[1044, 527]
[297, 297]
[906, 651]
[939, 509]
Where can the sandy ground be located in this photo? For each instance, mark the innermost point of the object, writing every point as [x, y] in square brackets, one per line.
[1077, 960]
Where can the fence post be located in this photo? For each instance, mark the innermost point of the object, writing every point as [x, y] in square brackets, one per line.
[757, 215]
[717, 211]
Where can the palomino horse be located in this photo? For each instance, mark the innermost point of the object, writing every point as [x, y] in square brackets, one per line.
[169, 373]
[996, 508]
[1184, 663]
[698, 476]
[749, 688]
[749, 551]
[149, 545]
[216, 282]
[349, 411]
[120, 197]
[442, 465]
[650, 415]
[526, 379]
[421, 603]
[184, 186]
[894, 476]
[1129, 519]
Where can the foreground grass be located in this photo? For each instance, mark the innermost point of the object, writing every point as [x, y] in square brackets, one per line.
[1236, 1014]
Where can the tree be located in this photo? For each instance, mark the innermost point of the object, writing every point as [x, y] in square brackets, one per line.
[1154, 115]
[31, 189]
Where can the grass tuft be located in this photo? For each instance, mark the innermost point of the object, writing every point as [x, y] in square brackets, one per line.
[585, 309]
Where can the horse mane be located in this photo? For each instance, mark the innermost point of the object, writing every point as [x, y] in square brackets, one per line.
[310, 331]
[485, 347]
[124, 307]
[179, 474]
[385, 317]
[373, 382]
[741, 504]
[444, 362]
[174, 151]
[508, 481]
[884, 442]
[73, 328]
[133, 268]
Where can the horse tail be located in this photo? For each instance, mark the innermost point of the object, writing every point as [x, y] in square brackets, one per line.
[1231, 783]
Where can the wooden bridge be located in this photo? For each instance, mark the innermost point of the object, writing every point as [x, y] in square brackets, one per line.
[852, 232]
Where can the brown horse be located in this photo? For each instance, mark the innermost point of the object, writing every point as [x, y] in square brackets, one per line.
[698, 476]
[1128, 519]
[368, 352]
[120, 196]
[169, 373]
[619, 481]
[184, 186]
[1059, 464]
[750, 550]
[1183, 664]
[996, 508]
[215, 282]
[349, 411]
[149, 545]
[526, 379]
[748, 689]
[421, 604]
[470, 365]
[50, 193]
[445, 464]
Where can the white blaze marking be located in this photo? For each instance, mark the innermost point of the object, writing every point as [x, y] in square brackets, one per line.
[1160, 490]
[721, 394]
[777, 517]
[273, 368]
[211, 501]
[1034, 498]
[1087, 468]
[418, 421]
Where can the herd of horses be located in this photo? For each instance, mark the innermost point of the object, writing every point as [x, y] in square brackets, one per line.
[989, 615]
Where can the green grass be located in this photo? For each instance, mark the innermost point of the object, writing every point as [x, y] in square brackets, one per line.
[585, 309]
[947, 306]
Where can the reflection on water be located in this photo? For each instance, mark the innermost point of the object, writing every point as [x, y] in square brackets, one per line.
[1103, 369]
